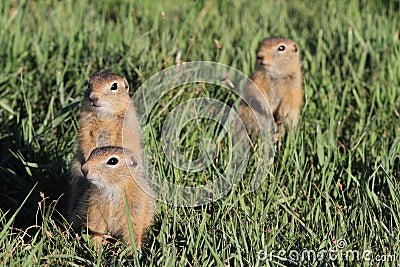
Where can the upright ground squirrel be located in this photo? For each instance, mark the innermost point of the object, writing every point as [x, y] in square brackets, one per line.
[278, 75]
[117, 179]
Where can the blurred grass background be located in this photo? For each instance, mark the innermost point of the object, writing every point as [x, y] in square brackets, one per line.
[336, 178]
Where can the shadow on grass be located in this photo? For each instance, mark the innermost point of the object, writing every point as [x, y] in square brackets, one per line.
[24, 165]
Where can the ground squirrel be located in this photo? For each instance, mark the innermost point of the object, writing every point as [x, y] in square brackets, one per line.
[105, 107]
[117, 179]
[106, 118]
[277, 74]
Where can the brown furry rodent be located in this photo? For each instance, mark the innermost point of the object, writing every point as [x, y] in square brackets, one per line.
[278, 75]
[105, 107]
[106, 118]
[117, 178]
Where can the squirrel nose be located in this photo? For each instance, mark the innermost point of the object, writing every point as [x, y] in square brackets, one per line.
[85, 170]
[93, 98]
[260, 57]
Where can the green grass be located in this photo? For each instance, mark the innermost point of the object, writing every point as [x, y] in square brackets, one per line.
[336, 177]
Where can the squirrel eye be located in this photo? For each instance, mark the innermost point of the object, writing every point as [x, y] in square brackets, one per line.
[114, 86]
[281, 48]
[112, 161]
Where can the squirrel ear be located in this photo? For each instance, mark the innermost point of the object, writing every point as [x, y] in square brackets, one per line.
[132, 161]
[295, 47]
[126, 85]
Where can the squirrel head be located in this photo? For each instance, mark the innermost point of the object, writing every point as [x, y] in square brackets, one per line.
[278, 56]
[108, 167]
[107, 94]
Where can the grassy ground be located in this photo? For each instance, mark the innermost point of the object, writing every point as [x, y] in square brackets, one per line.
[335, 182]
